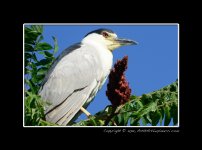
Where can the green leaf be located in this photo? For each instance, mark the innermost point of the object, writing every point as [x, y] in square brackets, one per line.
[30, 36]
[173, 87]
[128, 106]
[40, 38]
[146, 98]
[43, 46]
[167, 116]
[148, 119]
[42, 71]
[34, 80]
[28, 48]
[26, 62]
[34, 69]
[175, 119]
[144, 121]
[173, 96]
[153, 106]
[125, 118]
[39, 78]
[31, 85]
[120, 119]
[155, 117]
[101, 122]
[162, 115]
[37, 28]
[147, 108]
[42, 53]
[133, 97]
[44, 62]
[139, 103]
[34, 73]
[34, 111]
[46, 123]
[174, 113]
[48, 54]
[55, 44]
[165, 88]
[27, 71]
[134, 122]
[156, 95]
[92, 122]
[34, 57]
[28, 55]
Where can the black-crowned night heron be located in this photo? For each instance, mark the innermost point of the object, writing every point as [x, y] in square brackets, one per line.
[77, 74]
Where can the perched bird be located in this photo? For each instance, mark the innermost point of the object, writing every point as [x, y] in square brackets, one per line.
[77, 74]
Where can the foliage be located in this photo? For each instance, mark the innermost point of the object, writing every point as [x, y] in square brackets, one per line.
[151, 108]
[35, 71]
[34, 111]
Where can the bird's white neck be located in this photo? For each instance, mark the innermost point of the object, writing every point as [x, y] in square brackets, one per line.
[105, 55]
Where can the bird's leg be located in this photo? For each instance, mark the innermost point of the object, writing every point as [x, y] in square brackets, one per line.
[85, 112]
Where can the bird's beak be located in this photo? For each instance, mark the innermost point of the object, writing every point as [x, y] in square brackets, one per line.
[118, 42]
[123, 42]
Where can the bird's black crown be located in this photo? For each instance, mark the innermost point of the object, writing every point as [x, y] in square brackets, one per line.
[99, 31]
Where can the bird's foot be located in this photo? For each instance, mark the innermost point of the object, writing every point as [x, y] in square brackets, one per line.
[85, 112]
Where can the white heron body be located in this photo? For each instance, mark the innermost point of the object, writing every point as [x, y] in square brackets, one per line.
[77, 74]
[69, 86]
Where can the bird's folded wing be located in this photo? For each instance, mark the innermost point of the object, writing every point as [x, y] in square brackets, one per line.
[66, 111]
[69, 84]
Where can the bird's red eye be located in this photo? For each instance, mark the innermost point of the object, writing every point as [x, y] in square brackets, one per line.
[105, 34]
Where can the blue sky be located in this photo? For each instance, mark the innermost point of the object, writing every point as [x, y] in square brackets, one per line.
[152, 64]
